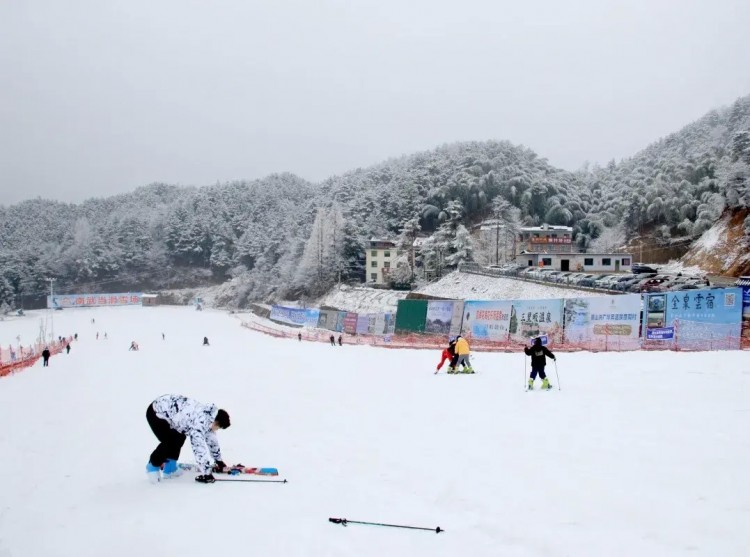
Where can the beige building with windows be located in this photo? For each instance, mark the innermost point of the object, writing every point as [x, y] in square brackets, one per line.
[546, 239]
[380, 260]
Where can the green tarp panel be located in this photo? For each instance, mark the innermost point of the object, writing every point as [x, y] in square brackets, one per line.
[411, 316]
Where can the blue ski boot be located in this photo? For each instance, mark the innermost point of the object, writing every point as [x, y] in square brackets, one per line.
[171, 469]
[153, 473]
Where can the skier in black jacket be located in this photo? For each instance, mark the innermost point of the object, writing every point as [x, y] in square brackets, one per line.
[538, 362]
[45, 357]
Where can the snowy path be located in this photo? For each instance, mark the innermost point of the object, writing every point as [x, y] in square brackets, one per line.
[640, 453]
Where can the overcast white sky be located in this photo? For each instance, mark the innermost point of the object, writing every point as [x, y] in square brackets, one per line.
[99, 97]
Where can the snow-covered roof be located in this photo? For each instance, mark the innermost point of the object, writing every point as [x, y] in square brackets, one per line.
[545, 228]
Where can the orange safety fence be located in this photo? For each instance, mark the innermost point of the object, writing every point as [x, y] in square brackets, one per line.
[13, 360]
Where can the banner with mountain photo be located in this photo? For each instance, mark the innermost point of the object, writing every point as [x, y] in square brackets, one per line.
[603, 323]
[533, 318]
[706, 319]
[444, 316]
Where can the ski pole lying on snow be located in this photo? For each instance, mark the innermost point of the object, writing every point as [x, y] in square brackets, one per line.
[243, 480]
[558, 376]
[344, 522]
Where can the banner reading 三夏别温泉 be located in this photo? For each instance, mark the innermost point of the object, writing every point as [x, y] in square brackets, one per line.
[289, 316]
[93, 300]
[533, 318]
[604, 323]
[706, 319]
[486, 320]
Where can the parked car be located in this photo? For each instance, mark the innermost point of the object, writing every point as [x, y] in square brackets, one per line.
[654, 284]
[639, 268]
[588, 280]
[626, 285]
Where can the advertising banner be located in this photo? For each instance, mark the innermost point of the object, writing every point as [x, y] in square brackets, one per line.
[289, 316]
[439, 316]
[663, 333]
[703, 319]
[340, 317]
[312, 316]
[604, 321]
[746, 312]
[350, 323]
[390, 323]
[93, 300]
[328, 319]
[363, 323]
[378, 326]
[487, 320]
[533, 318]
[457, 317]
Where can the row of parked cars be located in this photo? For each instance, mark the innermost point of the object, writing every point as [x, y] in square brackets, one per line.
[642, 279]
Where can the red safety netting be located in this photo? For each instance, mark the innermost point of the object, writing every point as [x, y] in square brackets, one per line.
[16, 359]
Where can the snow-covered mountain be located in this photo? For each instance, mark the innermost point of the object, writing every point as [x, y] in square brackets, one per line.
[283, 237]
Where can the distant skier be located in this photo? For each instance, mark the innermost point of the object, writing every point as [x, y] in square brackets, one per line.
[105, 335]
[333, 340]
[299, 337]
[75, 336]
[67, 348]
[97, 335]
[462, 356]
[341, 343]
[133, 346]
[173, 418]
[538, 362]
[205, 341]
[163, 337]
[447, 355]
[45, 357]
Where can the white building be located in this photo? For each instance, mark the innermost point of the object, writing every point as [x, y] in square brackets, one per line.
[581, 262]
[380, 259]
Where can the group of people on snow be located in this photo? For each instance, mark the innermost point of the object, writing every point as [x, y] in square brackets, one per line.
[333, 340]
[457, 353]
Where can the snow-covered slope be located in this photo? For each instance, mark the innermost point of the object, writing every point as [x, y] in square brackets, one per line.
[467, 286]
[456, 286]
[361, 299]
[616, 464]
[722, 249]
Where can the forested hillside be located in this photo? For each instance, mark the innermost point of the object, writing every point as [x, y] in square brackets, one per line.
[285, 237]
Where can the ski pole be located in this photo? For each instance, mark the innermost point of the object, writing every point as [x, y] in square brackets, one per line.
[243, 480]
[557, 375]
[344, 522]
[525, 385]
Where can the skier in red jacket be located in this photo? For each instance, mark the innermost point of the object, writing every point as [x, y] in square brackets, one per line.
[448, 354]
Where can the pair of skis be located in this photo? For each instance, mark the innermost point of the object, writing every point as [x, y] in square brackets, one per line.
[238, 470]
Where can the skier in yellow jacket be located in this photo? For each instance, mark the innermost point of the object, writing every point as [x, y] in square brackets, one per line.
[462, 352]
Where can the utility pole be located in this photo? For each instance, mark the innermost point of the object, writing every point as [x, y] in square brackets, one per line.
[52, 303]
[497, 240]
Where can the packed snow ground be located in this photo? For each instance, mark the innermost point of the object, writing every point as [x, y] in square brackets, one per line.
[639, 453]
